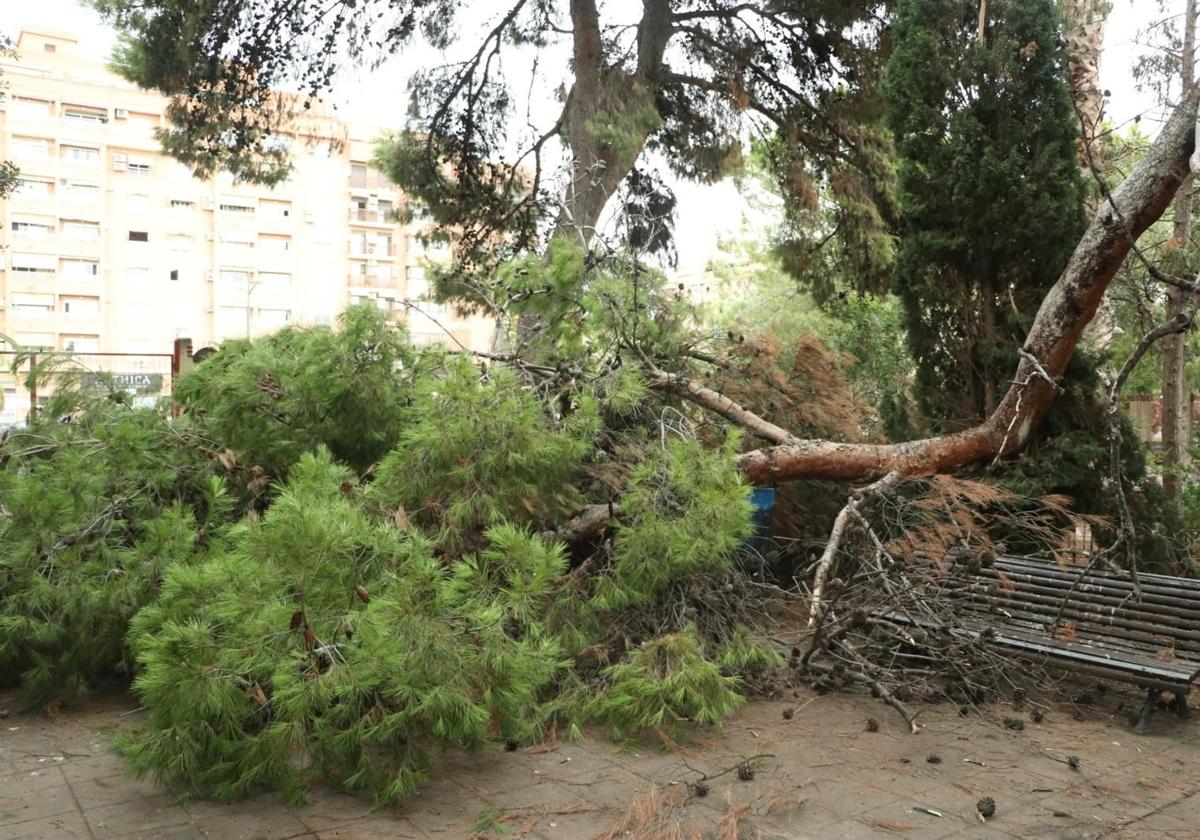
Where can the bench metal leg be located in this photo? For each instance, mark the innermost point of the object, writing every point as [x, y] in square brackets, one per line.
[1152, 697]
[1179, 705]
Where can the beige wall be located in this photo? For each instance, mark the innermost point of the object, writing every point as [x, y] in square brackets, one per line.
[74, 273]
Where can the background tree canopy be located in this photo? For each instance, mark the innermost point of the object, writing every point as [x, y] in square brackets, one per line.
[681, 82]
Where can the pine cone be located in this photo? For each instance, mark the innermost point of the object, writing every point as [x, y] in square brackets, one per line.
[986, 808]
[872, 725]
[933, 758]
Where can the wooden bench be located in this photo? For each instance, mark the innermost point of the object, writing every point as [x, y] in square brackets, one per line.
[1085, 621]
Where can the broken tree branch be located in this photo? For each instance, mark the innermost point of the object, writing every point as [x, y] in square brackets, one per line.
[851, 512]
[1067, 308]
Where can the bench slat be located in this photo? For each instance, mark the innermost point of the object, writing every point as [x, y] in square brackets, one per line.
[1166, 626]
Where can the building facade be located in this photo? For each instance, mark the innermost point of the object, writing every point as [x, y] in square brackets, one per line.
[109, 246]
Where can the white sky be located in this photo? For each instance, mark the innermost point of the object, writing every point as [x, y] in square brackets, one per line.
[705, 212]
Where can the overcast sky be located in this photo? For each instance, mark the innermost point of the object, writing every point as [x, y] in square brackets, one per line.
[705, 212]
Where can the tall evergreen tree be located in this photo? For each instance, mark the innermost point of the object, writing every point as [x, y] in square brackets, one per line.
[989, 187]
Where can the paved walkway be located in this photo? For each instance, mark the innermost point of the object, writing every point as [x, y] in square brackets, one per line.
[821, 774]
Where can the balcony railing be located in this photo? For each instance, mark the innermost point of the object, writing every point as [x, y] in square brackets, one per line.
[371, 281]
[373, 251]
[374, 216]
[370, 181]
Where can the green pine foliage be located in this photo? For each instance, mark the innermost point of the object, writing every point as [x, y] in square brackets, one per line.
[93, 511]
[330, 644]
[687, 511]
[273, 399]
[479, 450]
[665, 683]
[989, 187]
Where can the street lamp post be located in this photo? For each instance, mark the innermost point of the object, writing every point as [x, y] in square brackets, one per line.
[250, 287]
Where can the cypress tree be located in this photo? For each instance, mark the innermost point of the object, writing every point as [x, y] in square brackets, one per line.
[989, 186]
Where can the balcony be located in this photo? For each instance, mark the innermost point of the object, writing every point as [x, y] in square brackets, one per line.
[370, 181]
[373, 217]
[373, 251]
[370, 281]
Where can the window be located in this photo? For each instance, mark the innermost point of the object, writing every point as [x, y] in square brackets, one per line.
[83, 191]
[81, 343]
[141, 170]
[273, 318]
[358, 244]
[50, 47]
[32, 226]
[182, 204]
[43, 340]
[25, 106]
[275, 211]
[278, 245]
[239, 243]
[174, 274]
[235, 276]
[31, 304]
[74, 229]
[358, 175]
[33, 263]
[80, 269]
[230, 207]
[81, 307]
[34, 188]
[179, 242]
[80, 154]
[31, 147]
[85, 114]
[139, 236]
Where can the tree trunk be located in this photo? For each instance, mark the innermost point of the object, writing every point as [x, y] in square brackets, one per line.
[1176, 399]
[1067, 308]
[599, 96]
[1083, 30]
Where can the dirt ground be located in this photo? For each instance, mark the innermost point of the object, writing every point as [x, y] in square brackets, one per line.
[819, 774]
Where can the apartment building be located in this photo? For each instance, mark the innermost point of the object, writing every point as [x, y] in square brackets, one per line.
[109, 246]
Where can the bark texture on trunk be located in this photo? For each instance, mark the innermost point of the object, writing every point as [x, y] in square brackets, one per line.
[1064, 313]
[600, 95]
[1176, 399]
[1083, 31]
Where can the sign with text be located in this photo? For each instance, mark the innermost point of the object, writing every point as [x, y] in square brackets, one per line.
[135, 383]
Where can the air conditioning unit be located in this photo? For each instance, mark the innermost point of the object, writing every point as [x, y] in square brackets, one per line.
[120, 113]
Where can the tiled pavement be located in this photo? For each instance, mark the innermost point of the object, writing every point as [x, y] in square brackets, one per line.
[820, 775]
